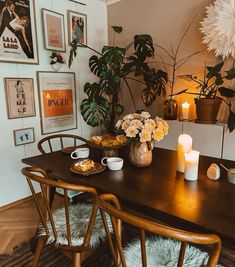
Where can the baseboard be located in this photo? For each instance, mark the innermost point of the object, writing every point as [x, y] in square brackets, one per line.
[16, 203]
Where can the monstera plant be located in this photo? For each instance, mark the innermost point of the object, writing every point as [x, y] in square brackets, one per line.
[112, 66]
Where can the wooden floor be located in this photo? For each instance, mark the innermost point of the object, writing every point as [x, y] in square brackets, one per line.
[18, 224]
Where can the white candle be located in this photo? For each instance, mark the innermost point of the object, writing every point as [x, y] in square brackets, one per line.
[185, 110]
[191, 165]
[184, 146]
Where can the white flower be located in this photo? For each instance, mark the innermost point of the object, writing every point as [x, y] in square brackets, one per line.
[145, 136]
[118, 124]
[150, 123]
[137, 123]
[131, 131]
[145, 115]
[158, 134]
[160, 125]
[219, 28]
[126, 124]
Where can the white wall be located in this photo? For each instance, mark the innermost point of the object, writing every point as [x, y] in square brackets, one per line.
[13, 185]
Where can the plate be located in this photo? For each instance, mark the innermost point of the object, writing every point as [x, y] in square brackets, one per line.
[97, 169]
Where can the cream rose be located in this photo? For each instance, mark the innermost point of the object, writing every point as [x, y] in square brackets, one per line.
[158, 134]
[131, 131]
[126, 124]
[119, 123]
[145, 136]
[137, 123]
[145, 115]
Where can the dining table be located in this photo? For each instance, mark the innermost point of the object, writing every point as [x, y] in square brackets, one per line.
[158, 191]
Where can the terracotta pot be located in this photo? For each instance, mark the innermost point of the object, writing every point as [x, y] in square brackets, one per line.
[140, 154]
[207, 109]
[170, 109]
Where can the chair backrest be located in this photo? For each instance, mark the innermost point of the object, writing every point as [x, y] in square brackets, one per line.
[109, 203]
[59, 141]
[39, 176]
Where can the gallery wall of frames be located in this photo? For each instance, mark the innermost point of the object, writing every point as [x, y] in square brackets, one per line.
[32, 77]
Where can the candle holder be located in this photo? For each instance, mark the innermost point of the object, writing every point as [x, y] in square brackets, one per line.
[185, 111]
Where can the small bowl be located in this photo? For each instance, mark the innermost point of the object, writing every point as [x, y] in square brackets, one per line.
[231, 175]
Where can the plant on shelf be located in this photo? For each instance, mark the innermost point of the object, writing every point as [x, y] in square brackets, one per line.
[141, 130]
[207, 97]
[112, 66]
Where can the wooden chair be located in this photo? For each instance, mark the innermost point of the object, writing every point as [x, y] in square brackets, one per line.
[59, 141]
[72, 228]
[165, 240]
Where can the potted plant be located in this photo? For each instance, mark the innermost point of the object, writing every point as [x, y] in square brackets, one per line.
[112, 66]
[208, 101]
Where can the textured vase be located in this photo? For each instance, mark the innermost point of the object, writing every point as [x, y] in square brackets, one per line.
[170, 109]
[140, 154]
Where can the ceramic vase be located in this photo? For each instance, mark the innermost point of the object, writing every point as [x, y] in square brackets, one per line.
[140, 154]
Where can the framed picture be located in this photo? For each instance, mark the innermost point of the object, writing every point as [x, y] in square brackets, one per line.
[24, 136]
[77, 23]
[53, 28]
[57, 98]
[19, 97]
[18, 37]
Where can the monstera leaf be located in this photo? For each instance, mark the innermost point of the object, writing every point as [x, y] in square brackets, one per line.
[143, 45]
[136, 64]
[93, 89]
[95, 110]
[97, 65]
[110, 82]
[113, 55]
[155, 82]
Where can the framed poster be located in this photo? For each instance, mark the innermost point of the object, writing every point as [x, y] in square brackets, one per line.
[57, 98]
[77, 23]
[24, 136]
[19, 97]
[53, 29]
[18, 38]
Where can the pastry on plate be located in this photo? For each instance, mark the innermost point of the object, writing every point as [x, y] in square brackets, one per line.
[84, 165]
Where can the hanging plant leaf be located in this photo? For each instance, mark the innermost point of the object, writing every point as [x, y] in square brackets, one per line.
[230, 74]
[117, 29]
[148, 96]
[213, 71]
[143, 45]
[113, 56]
[97, 65]
[227, 92]
[93, 89]
[94, 110]
[73, 51]
[231, 121]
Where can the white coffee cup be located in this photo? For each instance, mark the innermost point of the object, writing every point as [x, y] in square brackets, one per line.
[113, 163]
[81, 152]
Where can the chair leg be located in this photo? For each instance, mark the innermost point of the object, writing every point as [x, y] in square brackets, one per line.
[40, 244]
[77, 260]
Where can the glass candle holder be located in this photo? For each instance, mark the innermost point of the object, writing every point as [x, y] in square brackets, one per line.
[191, 165]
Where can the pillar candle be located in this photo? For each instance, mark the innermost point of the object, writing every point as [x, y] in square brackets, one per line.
[191, 165]
[184, 146]
[185, 110]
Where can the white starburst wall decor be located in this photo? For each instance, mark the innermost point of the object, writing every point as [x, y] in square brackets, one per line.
[218, 28]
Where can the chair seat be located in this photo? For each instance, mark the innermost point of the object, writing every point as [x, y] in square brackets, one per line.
[79, 219]
[164, 252]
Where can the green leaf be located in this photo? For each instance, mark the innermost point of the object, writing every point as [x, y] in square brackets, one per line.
[187, 77]
[180, 92]
[227, 92]
[97, 65]
[113, 56]
[92, 90]
[148, 96]
[231, 121]
[143, 45]
[110, 83]
[119, 109]
[117, 29]
[219, 79]
[213, 71]
[230, 74]
[94, 110]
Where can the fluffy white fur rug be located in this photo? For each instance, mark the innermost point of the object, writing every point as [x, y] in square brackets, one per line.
[164, 252]
[79, 219]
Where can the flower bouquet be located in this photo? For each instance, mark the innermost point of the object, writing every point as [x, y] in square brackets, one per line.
[142, 130]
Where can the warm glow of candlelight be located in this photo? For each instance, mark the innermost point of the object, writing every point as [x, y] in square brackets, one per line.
[184, 146]
[185, 110]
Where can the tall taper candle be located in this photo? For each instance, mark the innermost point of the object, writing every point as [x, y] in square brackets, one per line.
[184, 146]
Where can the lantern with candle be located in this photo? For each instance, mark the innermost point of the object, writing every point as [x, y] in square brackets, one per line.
[185, 110]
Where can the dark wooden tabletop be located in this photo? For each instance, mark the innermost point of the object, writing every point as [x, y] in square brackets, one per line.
[158, 190]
